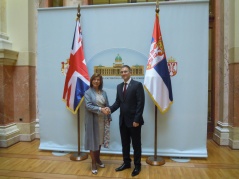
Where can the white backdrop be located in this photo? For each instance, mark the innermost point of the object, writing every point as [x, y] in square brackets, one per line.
[126, 29]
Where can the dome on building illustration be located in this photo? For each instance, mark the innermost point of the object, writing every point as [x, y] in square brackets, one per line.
[114, 70]
[118, 58]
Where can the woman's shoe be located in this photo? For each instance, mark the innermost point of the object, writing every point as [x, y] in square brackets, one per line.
[94, 172]
[101, 165]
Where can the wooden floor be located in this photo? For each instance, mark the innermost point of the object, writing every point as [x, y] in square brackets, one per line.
[24, 160]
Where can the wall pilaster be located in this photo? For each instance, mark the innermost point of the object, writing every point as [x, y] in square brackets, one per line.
[221, 121]
[233, 74]
[9, 133]
[227, 69]
[17, 63]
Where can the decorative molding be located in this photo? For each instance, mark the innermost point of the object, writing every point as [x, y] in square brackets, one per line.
[4, 43]
[227, 135]
[8, 57]
[234, 137]
[15, 132]
[9, 135]
[234, 144]
[27, 131]
[4, 36]
[221, 133]
[222, 124]
[37, 130]
[8, 130]
[27, 137]
[9, 142]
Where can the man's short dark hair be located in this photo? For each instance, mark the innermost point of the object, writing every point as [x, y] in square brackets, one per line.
[126, 66]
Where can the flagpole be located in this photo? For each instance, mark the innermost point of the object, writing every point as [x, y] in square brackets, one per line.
[79, 155]
[155, 160]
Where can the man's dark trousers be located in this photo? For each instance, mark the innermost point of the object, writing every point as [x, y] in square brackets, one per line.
[128, 134]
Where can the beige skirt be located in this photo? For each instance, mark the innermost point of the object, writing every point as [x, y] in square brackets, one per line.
[101, 129]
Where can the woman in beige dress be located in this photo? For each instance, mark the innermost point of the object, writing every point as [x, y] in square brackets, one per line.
[96, 120]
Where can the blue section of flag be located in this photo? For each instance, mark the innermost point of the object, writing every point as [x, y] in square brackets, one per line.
[152, 40]
[162, 70]
[81, 87]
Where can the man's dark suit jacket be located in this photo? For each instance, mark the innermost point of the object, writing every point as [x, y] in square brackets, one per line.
[132, 105]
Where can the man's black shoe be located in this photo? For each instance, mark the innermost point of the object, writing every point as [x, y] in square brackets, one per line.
[122, 167]
[136, 171]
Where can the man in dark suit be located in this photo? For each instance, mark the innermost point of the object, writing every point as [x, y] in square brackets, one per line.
[130, 100]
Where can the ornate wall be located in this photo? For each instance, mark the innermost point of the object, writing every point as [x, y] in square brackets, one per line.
[226, 73]
[18, 96]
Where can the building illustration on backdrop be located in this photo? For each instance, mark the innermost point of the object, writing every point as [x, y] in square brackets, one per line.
[137, 70]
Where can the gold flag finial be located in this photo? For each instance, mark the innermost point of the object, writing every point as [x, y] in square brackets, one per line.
[157, 6]
[78, 12]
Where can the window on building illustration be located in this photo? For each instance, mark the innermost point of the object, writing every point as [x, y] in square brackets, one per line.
[57, 3]
[120, 1]
[50, 3]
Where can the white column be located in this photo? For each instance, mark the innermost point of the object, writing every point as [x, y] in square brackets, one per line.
[4, 42]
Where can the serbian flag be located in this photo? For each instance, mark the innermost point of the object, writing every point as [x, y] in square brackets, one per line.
[77, 77]
[157, 80]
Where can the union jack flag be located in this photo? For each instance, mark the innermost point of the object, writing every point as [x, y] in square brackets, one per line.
[77, 77]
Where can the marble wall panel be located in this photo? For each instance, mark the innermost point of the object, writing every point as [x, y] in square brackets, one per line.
[32, 93]
[236, 95]
[1, 95]
[21, 92]
[8, 95]
[231, 95]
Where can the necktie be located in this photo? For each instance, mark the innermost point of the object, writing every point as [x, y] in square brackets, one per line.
[124, 90]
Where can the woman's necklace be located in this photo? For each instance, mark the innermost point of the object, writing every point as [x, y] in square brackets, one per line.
[97, 91]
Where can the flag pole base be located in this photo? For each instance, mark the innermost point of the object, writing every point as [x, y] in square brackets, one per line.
[155, 161]
[78, 156]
